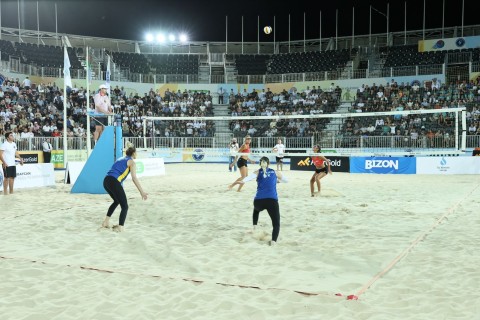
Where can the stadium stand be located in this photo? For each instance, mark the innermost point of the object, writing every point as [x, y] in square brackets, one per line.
[313, 61]
[174, 63]
[251, 64]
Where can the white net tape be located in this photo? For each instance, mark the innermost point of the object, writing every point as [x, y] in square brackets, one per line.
[394, 133]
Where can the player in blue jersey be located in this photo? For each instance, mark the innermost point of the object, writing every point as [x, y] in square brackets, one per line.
[266, 197]
[113, 185]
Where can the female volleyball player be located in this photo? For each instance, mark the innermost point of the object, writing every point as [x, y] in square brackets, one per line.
[266, 197]
[113, 185]
[320, 169]
[242, 161]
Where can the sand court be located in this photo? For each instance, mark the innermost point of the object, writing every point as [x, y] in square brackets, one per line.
[406, 245]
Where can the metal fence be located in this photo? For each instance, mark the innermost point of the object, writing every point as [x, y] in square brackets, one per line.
[352, 143]
[15, 66]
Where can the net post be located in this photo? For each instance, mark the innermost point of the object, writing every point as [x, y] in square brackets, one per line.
[145, 133]
[464, 131]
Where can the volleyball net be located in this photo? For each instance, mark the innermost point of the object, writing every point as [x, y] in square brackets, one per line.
[393, 133]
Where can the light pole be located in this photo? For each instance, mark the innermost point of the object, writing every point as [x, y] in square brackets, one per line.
[370, 26]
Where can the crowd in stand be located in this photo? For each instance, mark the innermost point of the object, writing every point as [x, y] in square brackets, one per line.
[37, 111]
[415, 96]
[30, 110]
[310, 101]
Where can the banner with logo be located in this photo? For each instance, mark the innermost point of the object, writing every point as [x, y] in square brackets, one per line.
[338, 164]
[149, 167]
[448, 165]
[31, 156]
[383, 165]
[35, 175]
[57, 158]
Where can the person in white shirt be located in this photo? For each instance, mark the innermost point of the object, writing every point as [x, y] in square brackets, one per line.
[8, 152]
[279, 149]
[47, 150]
[26, 84]
[233, 150]
[102, 105]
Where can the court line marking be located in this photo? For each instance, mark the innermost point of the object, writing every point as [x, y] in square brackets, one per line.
[414, 243]
[191, 280]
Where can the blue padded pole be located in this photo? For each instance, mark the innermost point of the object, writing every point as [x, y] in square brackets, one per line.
[118, 137]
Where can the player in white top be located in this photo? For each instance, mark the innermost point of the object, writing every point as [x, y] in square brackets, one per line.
[8, 152]
[233, 151]
[280, 150]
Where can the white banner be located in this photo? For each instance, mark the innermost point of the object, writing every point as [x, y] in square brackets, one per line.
[33, 176]
[145, 168]
[149, 167]
[448, 165]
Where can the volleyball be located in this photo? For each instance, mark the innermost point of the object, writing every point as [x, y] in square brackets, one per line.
[267, 30]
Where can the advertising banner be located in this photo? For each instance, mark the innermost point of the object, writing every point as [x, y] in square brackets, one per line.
[383, 165]
[34, 175]
[149, 167]
[448, 165]
[57, 158]
[338, 164]
[31, 156]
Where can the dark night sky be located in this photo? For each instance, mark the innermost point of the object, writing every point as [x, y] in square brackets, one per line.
[205, 20]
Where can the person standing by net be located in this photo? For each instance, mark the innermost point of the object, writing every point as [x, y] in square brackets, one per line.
[280, 150]
[233, 150]
[321, 170]
[242, 161]
[103, 105]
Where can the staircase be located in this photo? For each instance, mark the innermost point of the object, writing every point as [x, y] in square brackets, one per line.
[335, 124]
[223, 134]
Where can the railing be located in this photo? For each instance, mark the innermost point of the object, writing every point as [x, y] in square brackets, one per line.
[351, 143]
[125, 75]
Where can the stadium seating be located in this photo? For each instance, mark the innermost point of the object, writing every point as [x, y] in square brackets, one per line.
[175, 63]
[136, 62]
[46, 56]
[399, 56]
[251, 64]
[312, 61]
[7, 49]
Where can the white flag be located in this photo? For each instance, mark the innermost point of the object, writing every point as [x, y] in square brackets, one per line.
[66, 69]
[107, 75]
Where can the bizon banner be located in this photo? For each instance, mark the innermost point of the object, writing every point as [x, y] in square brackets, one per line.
[383, 165]
[338, 164]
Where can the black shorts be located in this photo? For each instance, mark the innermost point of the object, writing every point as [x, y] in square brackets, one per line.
[10, 172]
[320, 170]
[241, 163]
[279, 159]
[102, 120]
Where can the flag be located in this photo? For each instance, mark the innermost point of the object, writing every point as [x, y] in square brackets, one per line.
[107, 75]
[66, 69]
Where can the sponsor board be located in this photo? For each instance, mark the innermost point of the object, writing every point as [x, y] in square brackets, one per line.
[338, 164]
[448, 165]
[149, 167]
[383, 165]
[35, 175]
[145, 168]
[29, 157]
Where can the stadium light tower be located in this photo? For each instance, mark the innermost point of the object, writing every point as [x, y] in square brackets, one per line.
[149, 37]
[171, 37]
[161, 38]
[183, 38]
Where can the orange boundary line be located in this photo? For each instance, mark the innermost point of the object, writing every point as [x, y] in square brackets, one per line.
[404, 253]
[90, 268]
